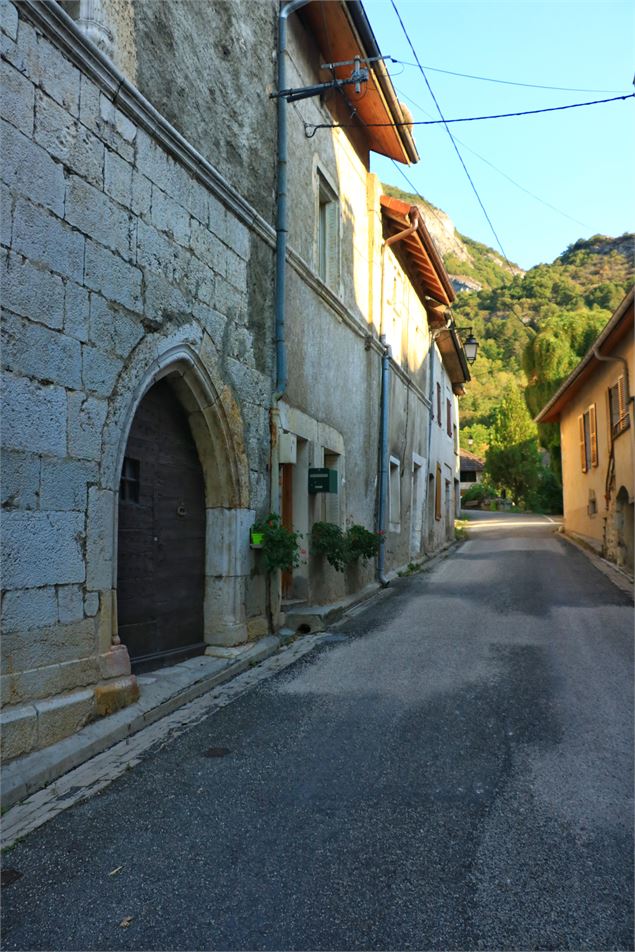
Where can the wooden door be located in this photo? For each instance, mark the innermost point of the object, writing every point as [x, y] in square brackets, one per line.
[161, 552]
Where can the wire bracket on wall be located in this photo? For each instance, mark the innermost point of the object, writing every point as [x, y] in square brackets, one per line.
[357, 77]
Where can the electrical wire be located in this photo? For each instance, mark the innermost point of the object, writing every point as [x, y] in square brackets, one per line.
[522, 188]
[446, 122]
[456, 149]
[503, 82]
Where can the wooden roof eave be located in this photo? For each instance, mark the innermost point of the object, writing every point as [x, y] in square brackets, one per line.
[342, 31]
[419, 249]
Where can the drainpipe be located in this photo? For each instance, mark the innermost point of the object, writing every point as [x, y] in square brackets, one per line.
[281, 202]
[628, 400]
[383, 460]
[384, 425]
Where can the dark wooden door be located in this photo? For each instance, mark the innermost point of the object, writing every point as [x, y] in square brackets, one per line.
[161, 552]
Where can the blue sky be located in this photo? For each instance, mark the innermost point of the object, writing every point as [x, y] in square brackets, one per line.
[580, 161]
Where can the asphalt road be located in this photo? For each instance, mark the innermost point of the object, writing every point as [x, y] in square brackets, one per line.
[456, 773]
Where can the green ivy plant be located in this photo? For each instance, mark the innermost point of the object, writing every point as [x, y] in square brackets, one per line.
[342, 548]
[280, 546]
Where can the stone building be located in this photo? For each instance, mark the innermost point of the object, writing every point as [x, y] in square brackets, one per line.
[144, 427]
[594, 407]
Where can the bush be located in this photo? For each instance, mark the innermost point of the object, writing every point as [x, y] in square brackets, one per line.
[280, 546]
[361, 543]
[342, 548]
[327, 540]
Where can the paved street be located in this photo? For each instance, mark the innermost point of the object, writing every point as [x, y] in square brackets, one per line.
[452, 770]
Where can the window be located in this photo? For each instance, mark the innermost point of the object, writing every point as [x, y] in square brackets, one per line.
[416, 502]
[328, 237]
[437, 494]
[129, 485]
[439, 404]
[332, 501]
[394, 495]
[587, 422]
[618, 414]
[448, 416]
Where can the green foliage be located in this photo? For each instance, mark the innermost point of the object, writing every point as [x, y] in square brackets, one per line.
[476, 493]
[361, 543]
[515, 468]
[327, 540]
[342, 548]
[280, 546]
[567, 302]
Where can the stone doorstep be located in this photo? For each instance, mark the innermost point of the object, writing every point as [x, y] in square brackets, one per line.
[162, 692]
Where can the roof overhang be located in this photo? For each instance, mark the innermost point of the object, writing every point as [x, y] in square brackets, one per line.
[416, 253]
[342, 31]
[617, 328]
[453, 357]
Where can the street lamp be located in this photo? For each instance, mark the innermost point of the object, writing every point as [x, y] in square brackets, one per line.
[470, 344]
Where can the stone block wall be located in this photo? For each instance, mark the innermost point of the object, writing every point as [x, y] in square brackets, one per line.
[118, 266]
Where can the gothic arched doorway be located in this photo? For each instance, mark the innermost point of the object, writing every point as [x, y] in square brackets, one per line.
[161, 541]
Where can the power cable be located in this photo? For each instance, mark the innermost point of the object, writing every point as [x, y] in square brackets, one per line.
[522, 188]
[446, 122]
[456, 148]
[503, 82]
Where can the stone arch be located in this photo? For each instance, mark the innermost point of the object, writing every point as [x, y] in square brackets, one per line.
[190, 365]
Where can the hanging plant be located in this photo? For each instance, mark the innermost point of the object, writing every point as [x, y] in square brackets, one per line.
[280, 547]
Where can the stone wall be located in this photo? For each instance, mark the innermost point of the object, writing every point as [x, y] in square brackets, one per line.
[118, 267]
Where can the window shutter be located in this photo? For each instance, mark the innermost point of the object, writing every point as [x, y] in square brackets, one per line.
[594, 435]
[437, 498]
[332, 221]
[621, 402]
[582, 444]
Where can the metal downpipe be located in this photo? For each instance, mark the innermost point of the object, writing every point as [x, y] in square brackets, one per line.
[383, 462]
[281, 203]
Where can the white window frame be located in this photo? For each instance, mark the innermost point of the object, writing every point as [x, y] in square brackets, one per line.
[327, 256]
[394, 495]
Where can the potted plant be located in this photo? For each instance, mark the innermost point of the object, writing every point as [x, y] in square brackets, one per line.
[280, 546]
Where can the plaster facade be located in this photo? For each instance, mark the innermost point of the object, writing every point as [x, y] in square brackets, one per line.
[597, 434]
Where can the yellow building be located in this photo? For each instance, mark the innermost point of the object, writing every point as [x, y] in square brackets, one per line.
[594, 407]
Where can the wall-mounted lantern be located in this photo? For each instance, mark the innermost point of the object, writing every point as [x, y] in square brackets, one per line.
[470, 343]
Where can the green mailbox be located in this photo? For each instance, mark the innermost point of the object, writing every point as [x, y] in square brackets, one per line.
[322, 480]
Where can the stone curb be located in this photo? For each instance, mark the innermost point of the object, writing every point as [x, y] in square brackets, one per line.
[27, 775]
[615, 575]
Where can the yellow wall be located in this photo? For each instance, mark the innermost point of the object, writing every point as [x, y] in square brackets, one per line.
[578, 485]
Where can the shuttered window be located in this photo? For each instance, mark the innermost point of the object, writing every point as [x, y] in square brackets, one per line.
[328, 238]
[587, 423]
[448, 409]
[439, 404]
[618, 412]
[583, 423]
[593, 433]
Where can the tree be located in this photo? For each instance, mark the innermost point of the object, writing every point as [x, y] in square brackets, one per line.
[513, 461]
